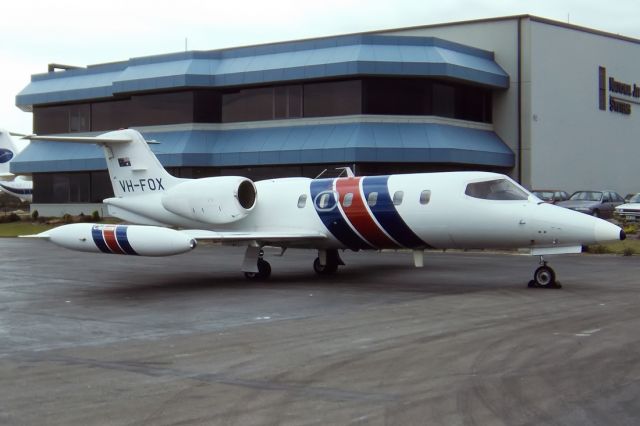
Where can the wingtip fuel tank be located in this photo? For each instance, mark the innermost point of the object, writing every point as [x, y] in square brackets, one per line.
[121, 239]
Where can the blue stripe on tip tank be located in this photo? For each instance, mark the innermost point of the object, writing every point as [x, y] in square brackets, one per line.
[123, 240]
[98, 239]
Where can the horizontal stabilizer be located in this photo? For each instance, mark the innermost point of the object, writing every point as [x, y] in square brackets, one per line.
[84, 139]
[78, 139]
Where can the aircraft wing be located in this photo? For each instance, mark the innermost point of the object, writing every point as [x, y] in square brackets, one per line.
[267, 237]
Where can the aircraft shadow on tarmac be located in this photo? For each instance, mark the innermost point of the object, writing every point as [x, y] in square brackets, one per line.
[388, 279]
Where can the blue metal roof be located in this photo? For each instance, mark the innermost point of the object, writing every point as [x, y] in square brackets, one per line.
[311, 144]
[341, 56]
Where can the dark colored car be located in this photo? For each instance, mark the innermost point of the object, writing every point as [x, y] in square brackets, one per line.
[551, 196]
[595, 203]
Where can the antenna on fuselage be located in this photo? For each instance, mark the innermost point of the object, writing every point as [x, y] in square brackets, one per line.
[321, 173]
[346, 170]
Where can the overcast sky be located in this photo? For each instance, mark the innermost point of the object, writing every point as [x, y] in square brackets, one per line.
[35, 33]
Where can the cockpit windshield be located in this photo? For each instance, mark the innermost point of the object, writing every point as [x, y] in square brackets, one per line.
[497, 189]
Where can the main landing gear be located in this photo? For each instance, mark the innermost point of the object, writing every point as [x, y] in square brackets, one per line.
[544, 277]
[254, 266]
[327, 262]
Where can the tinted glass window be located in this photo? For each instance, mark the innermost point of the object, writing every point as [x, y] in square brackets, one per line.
[83, 187]
[397, 198]
[100, 186]
[497, 189]
[62, 119]
[395, 96]
[587, 196]
[332, 98]
[425, 196]
[348, 199]
[372, 199]
[248, 105]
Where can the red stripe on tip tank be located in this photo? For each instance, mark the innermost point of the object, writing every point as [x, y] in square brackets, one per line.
[109, 234]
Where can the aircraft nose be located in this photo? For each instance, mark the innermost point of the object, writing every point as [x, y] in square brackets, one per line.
[606, 231]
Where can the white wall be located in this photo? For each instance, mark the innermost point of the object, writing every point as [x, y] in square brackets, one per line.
[575, 145]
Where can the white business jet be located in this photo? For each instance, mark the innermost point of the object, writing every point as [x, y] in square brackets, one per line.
[18, 186]
[455, 210]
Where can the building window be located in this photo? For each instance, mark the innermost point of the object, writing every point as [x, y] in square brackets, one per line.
[421, 96]
[62, 119]
[287, 102]
[369, 95]
[76, 187]
[332, 98]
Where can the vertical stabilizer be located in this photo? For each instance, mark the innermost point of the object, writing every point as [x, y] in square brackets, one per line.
[134, 169]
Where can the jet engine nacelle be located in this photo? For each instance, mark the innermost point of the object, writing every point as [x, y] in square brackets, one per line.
[121, 239]
[215, 200]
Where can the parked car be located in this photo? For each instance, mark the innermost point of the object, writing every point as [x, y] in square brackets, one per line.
[551, 196]
[631, 210]
[595, 203]
[627, 198]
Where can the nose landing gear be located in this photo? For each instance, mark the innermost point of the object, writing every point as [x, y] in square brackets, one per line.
[544, 277]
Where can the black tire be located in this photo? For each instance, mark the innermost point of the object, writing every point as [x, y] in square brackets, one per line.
[328, 269]
[596, 213]
[544, 277]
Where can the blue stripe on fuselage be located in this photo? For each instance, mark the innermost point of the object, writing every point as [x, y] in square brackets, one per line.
[332, 217]
[123, 241]
[98, 239]
[387, 215]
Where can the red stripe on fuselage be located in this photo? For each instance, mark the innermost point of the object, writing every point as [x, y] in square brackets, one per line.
[109, 234]
[358, 214]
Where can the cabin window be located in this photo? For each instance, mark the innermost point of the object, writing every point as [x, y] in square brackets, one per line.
[372, 199]
[425, 196]
[348, 199]
[325, 198]
[397, 198]
[496, 189]
[302, 201]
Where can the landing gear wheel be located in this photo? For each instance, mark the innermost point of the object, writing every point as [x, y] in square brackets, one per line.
[544, 277]
[328, 269]
[264, 271]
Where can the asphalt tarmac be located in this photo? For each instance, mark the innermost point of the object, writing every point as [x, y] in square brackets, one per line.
[88, 339]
